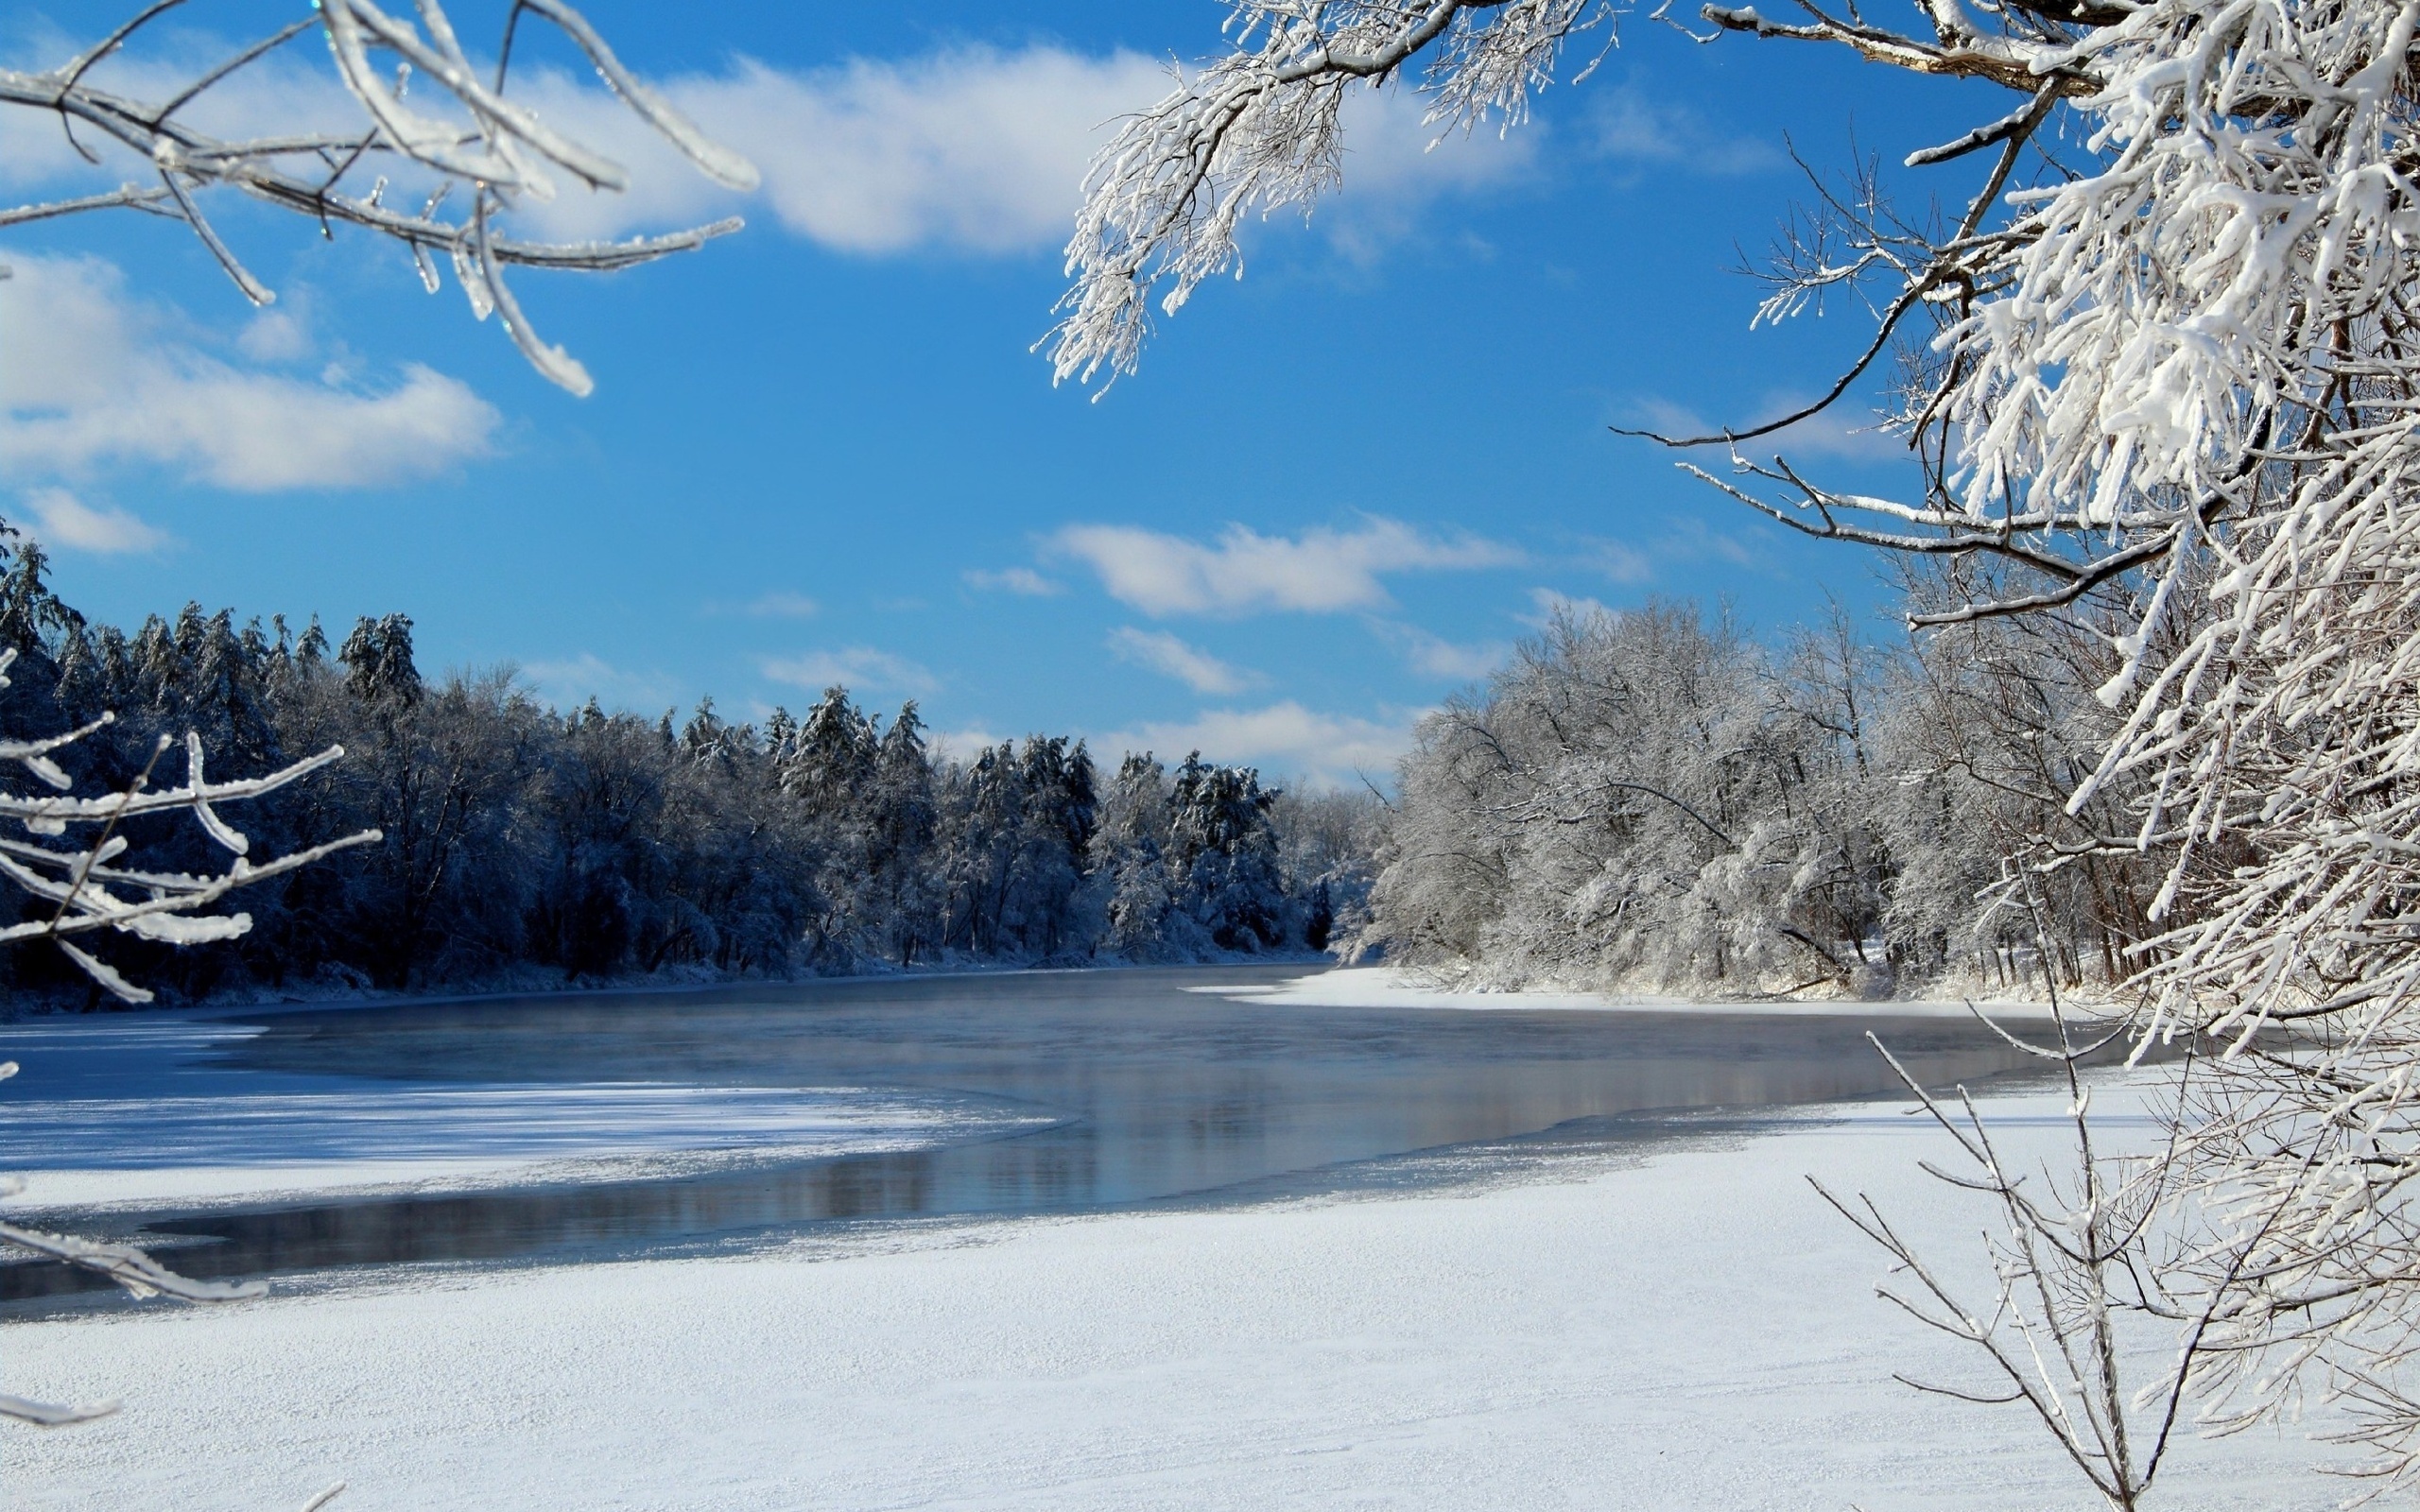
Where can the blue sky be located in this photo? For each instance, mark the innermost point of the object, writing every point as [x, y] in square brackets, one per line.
[823, 450]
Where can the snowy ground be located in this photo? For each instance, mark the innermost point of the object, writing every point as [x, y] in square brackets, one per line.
[1387, 986]
[1685, 1328]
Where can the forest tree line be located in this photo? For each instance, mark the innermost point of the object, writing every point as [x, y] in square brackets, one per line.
[1656, 799]
[523, 846]
[1653, 799]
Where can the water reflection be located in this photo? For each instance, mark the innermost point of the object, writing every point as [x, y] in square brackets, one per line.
[1159, 1094]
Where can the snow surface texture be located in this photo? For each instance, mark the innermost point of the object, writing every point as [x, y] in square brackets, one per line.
[173, 1129]
[1387, 986]
[1691, 1330]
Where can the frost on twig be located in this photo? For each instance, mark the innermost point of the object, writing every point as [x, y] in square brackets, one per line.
[2073, 1280]
[1260, 130]
[431, 114]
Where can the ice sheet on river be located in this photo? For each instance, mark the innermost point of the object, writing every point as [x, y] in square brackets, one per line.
[242, 1135]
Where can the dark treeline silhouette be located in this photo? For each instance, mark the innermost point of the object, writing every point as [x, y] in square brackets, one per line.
[524, 846]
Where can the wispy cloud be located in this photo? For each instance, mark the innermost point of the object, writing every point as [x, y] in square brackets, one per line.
[850, 666]
[1685, 541]
[1625, 124]
[568, 682]
[1433, 656]
[1621, 560]
[278, 334]
[777, 604]
[961, 745]
[1024, 580]
[1167, 655]
[971, 149]
[90, 380]
[1284, 738]
[1243, 572]
[285, 92]
[64, 521]
[1549, 604]
[1398, 166]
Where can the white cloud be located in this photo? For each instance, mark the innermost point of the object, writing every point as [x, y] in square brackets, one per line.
[569, 683]
[1626, 125]
[1619, 561]
[278, 334]
[772, 606]
[1389, 149]
[1167, 655]
[851, 667]
[1322, 572]
[1023, 580]
[1435, 657]
[972, 149]
[1551, 604]
[64, 521]
[90, 380]
[293, 90]
[1684, 542]
[1395, 166]
[977, 150]
[963, 744]
[1284, 738]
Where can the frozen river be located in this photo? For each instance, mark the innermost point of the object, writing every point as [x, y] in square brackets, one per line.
[1086, 1242]
[614, 1125]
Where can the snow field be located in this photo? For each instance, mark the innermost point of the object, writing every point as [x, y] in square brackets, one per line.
[1690, 1331]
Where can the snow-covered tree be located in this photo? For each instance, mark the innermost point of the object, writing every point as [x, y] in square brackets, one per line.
[1646, 796]
[1129, 854]
[1222, 851]
[2160, 377]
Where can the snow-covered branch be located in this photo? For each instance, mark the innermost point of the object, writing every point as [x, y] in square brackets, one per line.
[462, 140]
[1260, 131]
[86, 893]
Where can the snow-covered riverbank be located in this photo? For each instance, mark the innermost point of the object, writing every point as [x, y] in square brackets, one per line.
[1687, 1328]
[1389, 987]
